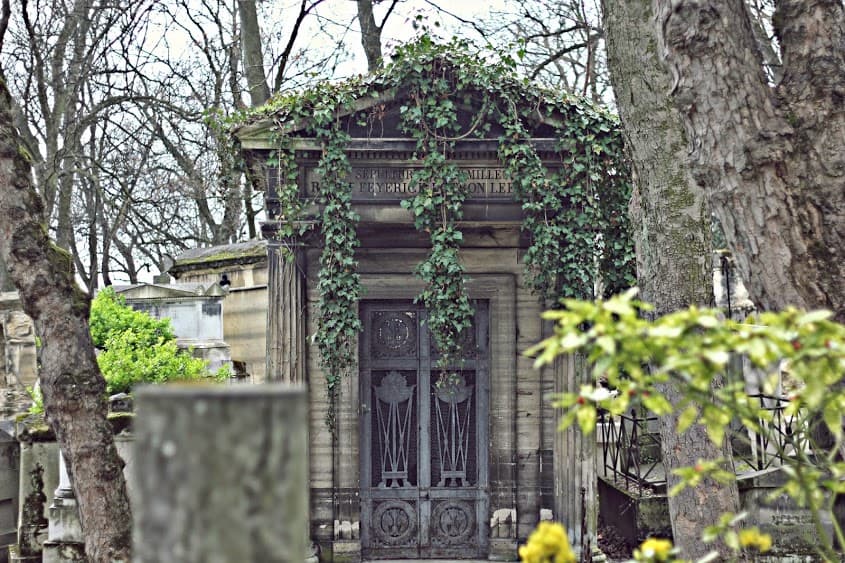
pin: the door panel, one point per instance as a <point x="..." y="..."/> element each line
<point x="424" y="458"/>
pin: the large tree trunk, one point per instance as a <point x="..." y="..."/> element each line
<point x="672" y="230"/>
<point x="73" y="388"/>
<point x="772" y="158"/>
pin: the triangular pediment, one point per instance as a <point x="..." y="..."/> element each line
<point x="375" y="114"/>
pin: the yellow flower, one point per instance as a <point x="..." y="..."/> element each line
<point x="547" y="544"/>
<point x="654" y="549"/>
<point x="753" y="538"/>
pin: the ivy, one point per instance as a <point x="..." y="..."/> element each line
<point x="339" y="283"/>
<point x="289" y="209"/>
<point x="574" y="195"/>
<point x="432" y="119"/>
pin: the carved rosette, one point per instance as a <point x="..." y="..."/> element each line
<point x="394" y="524"/>
<point x="452" y="523"/>
<point x="394" y="334"/>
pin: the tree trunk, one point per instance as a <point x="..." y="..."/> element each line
<point x="672" y="230"/>
<point x="253" y="55"/>
<point x="370" y="34"/>
<point x="71" y="382"/>
<point x="772" y="158"/>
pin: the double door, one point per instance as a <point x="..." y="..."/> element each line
<point x="424" y="480"/>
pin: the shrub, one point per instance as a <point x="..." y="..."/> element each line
<point x="137" y="348"/>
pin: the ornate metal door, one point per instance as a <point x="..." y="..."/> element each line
<point x="424" y="481"/>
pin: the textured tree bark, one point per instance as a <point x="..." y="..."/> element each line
<point x="672" y="229"/>
<point x="71" y="382"/>
<point x="772" y="158"/>
<point x="253" y="55"/>
<point x="221" y="474"/>
<point x="370" y="34"/>
<point x="6" y="283"/>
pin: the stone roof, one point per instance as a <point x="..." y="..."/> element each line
<point x="225" y="254"/>
<point x="142" y="291"/>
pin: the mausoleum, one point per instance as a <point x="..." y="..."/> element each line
<point x="430" y="439"/>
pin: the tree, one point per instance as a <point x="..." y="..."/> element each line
<point x="672" y="232"/>
<point x="137" y="348"/>
<point x="771" y="156"/>
<point x="71" y="383"/>
<point x="561" y="43"/>
<point x="371" y="32"/>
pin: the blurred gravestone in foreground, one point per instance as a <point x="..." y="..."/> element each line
<point x="221" y="474"/>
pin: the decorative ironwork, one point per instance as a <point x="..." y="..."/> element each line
<point x="453" y="414"/>
<point x="394" y="334"/>
<point x="631" y="448"/>
<point x="394" y="523"/>
<point x="469" y="346"/>
<point x="625" y="439"/>
<point x="394" y="428"/>
<point x="452" y="523"/>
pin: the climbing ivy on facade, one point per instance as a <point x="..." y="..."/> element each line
<point x="574" y="196"/>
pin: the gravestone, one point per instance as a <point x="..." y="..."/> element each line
<point x="220" y="474"/>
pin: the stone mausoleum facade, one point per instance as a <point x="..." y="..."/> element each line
<point x="412" y="471"/>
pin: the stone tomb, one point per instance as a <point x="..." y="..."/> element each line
<point x="393" y="482"/>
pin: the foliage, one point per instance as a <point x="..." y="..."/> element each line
<point x="137" y="348"/>
<point x="575" y="208"/>
<point x="547" y="544"/>
<point x="37" y="397"/>
<point x="339" y="283"/>
<point x="630" y="354"/>
<point x="655" y="550"/>
<point x="432" y="120"/>
<point x="110" y="317"/>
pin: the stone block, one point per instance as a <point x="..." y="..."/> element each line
<point x="220" y="474"/>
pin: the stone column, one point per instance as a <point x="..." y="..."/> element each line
<point x="221" y="474"/>
<point x="575" y="477"/>
<point x="286" y="311"/>
<point x="64" y="533"/>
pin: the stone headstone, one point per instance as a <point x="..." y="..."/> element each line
<point x="221" y="474"/>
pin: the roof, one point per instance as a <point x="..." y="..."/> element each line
<point x="168" y="291"/>
<point x="222" y="255"/>
<point x="470" y="74"/>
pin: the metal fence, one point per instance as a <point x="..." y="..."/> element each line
<point x="631" y="457"/>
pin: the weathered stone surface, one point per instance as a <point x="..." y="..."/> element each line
<point x="220" y="474"/>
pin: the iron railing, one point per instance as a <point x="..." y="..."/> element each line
<point x="767" y="449"/>
<point x="631" y="452"/>
<point x="631" y="457"/>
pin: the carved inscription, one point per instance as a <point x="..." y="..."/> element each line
<point x="393" y="182"/>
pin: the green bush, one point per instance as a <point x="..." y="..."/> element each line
<point x="137" y="348"/>
<point x="110" y="316"/>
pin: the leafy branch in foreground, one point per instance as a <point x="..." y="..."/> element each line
<point x="630" y="354"/>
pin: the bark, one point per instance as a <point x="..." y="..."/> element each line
<point x="71" y="382"/>
<point x="5" y="281"/>
<point x="671" y="218"/>
<point x="772" y="158"/>
<point x="253" y="55"/>
<point x="370" y="34"/>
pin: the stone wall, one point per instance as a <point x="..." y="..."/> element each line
<point x="18" y="357"/>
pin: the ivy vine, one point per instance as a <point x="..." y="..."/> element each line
<point x="431" y="118"/>
<point x="574" y="195"/>
<point x="339" y="283"/>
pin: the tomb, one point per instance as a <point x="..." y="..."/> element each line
<point x="405" y="463"/>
